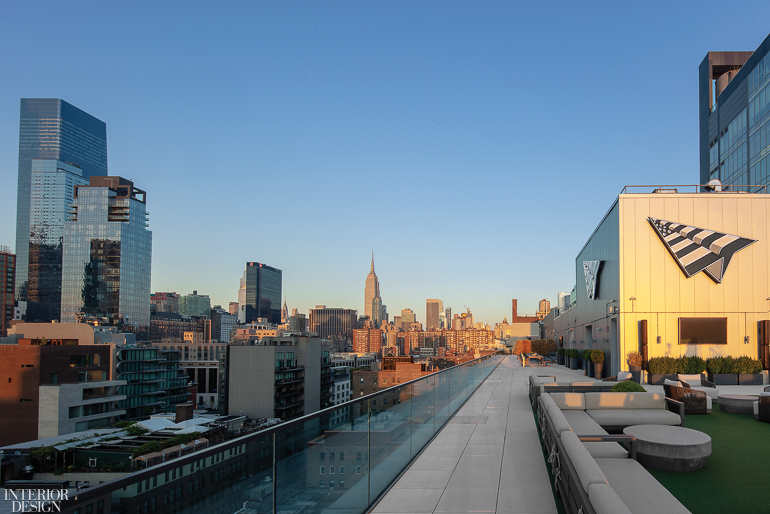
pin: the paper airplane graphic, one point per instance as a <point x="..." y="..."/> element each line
<point x="591" y="270"/>
<point x="698" y="249"/>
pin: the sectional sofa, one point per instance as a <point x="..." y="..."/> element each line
<point x="595" y="474"/>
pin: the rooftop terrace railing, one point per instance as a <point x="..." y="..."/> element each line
<point x="694" y="188"/>
<point x="340" y="459"/>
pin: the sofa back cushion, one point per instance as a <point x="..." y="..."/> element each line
<point x="598" y="401"/>
<point x="693" y="380"/>
<point x="569" y="401"/>
<point x="605" y="500"/>
<point x="624" y="375"/>
<point x="587" y="470"/>
<point x="546" y="400"/>
<point x="557" y="421"/>
<point x="674" y="383"/>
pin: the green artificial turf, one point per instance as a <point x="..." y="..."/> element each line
<point x="736" y="477"/>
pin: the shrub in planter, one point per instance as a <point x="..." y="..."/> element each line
<point x="634" y="360"/>
<point x="662" y="365"/>
<point x="662" y="368"/>
<point x="628" y="386"/>
<point x="749" y="371"/>
<point x="560" y="355"/>
<point x="597" y="358"/>
<point x="747" y="365"/>
<point x="560" y="351"/>
<point x="692" y="365"/>
<point x="722" y="370"/>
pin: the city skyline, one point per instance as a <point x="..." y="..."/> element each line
<point x="478" y="122"/>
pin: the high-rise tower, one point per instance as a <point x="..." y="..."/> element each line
<point x="107" y="256"/>
<point x="260" y="294"/>
<point x="433" y="308"/>
<point x="371" y="292"/>
<point x="60" y="146"/>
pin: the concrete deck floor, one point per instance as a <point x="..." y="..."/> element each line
<point x="486" y="459"/>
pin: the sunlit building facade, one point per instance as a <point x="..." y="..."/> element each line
<point x="61" y="146"/>
<point x="107" y="255"/>
<point x="734" y="112"/>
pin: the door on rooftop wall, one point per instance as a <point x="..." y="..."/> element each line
<point x="614" y="348"/>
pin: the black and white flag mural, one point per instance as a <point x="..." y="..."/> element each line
<point x="698" y="249"/>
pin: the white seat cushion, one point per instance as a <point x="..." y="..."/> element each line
<point x="628" y="417"/>
<point x="675" y="383"/>
<point x="624" y="375"/>
<point x="582" y="423"/>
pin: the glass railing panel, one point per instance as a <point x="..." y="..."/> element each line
<point x="338" y="460"/>
<point x="389" y="437"/>
<point x="421" y="415"/>
<point x="441" y="392"/>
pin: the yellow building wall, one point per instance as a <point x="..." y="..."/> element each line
<point x="662" y="292"/>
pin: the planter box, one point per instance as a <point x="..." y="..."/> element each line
<point x="746" y="379"/>
<point x="574" y="363"/>
<point x="724" y="379"/>
<point x="658" y="378"/>
<point x="636" y="373"/>
<point x="598" y="368"/>
<point x="590" y="369"/>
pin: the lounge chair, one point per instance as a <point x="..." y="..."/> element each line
<point x="695" y="402"/>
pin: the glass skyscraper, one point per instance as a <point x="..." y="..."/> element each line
<point x="734" y="115"/>
<point x="60" y="147"/>
<point x="260" y="293"/>
<point x="107" y="255"/>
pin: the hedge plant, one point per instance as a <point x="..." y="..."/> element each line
<point x="573" y="353"/>
<point x="628" y="386"/>
<point x="748" y="365"/>
<point x="586" y="355"/>
<point x="692" y="365"/>
<point x="560" y="351"/>
<point x="597" y="356"/>
<point x="662" y="365"/>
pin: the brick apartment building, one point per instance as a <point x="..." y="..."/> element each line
<point x="390" y="372"/>
<point x="367" y="340"/>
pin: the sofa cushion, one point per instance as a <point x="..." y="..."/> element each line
<point x="627" y="417"/>
<point x="558" y="422"/>
<point x="582" y="423"/>
<point x="569" y="401"/>
<point x="606" y="450"/>
<point x="693" y="380"/>
<point x="587" y="470"/>
<point x="624" y="375"/>
<point x="675" y="383"/>
<point x="583" y="384"/>
<point x="597" y="401"/>
<point x="637" y="488"/>
<point x="605" y="500"/>
<point x="546" y="400"/>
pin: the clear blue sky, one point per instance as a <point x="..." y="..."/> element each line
<point x="473" y="145"/>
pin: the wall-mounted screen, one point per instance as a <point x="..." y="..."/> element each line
<point x="702" y="330"/>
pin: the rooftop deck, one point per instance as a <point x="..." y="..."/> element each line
<point x="488" y="458"/>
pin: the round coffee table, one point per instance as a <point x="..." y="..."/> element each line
<point x="737" y="403"/>
<point x="670" y="448"/>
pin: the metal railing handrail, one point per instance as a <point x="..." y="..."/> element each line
<point x="734" y="188"/>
